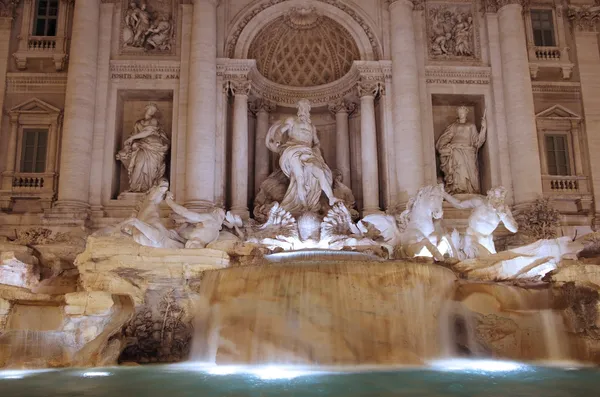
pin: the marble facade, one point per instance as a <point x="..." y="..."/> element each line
<point x="384" y="79"/>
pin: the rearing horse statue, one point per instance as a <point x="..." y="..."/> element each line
<point x="415" y="228"/>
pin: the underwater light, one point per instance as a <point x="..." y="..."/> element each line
<point x="94" y="374"/>
<point x="15" y="374"/>
<point x="263" y="372"/>
<point x="273" y="372"/>
<point x="477" y="365"/>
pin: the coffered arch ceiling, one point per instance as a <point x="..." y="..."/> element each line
<point x="303" y="48"/>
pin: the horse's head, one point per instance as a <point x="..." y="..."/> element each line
<point x="429" y="200"/>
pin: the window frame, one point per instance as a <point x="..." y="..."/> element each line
<point x="568" y="151"/>
<point x="553" y="22"/>
<point x="46" y="18"/>
<point x="21" y="160"/>
<point x="21" y="143"/>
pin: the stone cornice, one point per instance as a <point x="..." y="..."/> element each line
<point x="584" y="18"/>
<point x="457" y="75"/>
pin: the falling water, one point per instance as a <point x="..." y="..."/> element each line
<point x="31" y="349"/>
<point x="322" y="311"/>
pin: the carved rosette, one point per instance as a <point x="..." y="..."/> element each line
<point x="584" y="18"/>
<point x="452" y="31"/>
<point x="342" y="106"/>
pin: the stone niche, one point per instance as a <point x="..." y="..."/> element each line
<point x="444" y="114"/>
<point x="130" y="108"/>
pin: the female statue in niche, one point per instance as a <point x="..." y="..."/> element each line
<point x="144" y="152"/>
<point x="458" y="147"/>
<point x="295" y="139"/>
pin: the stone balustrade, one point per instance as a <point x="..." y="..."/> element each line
<point x="547" y="53"/>
<point x="553" y="184"/>
<point x="41" y="43"/>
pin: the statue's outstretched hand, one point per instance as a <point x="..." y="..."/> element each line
<point x="169" y="196"/>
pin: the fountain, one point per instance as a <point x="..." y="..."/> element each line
<point x="309" y="290"/>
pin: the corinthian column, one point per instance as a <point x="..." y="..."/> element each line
<point x="518" y="103"/>
<point x="406" y="108"/>
<point x="202" y="109"/>
<point x="368" y="90"/>
<point x="342" y="109"/>
<point x="239" y="148"/>
<point x="585" y="20"/>
<point x="262" y="108"/>
<point x="78" y="124"/>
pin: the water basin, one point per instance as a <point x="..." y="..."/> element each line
<point x="452" y="378"/>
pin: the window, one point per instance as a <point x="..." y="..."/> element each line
<point x="543" y="28"/>
<point x="45" y="18"/>
<point x="557" y="154"/>
<point x="33" y="150"/>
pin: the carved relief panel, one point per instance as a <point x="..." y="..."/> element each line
<point x="452" y="31"/>
<point x="148" y="27"/>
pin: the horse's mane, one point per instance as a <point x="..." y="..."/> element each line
<point x="404" y="218"/>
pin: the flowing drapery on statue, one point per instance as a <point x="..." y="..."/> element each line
<point x="296" y="141"/>
<point x="458" y="147"/>
<point x="144" y="152"/>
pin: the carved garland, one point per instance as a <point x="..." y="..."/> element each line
<point x="232" y="42"/>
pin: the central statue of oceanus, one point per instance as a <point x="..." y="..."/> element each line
<point x="295" y="140"/>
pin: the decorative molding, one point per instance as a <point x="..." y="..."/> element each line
<point x="157" y="27"/>
<point x="457" y="75"/>
<point x="584" y="18"/>
<point x="140" y="70"/>
<point x="239" y="27"/>
<point x="36" y="83"/>
<point x="570" y="90"/>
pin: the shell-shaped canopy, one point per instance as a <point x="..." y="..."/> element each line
<point x="303" y="49"/>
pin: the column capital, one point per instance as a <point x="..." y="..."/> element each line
<point x="369" y="88"/>
<point x="417" y="5"/>
<point x="240" y="86"/>
<point x="7" y="8"/>
<point x="584" y="18"/>
<point x="343" y="105"/>
<point x="215" y="3"/>
<point x="262" y="105"/>
<point x="496" y="5"/>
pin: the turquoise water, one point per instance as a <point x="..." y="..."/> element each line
<point x="488" y="379"/>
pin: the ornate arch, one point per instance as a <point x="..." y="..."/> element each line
<point x="248" y="25"/>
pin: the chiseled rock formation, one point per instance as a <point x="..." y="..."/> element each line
<point x="156" y="279"/>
